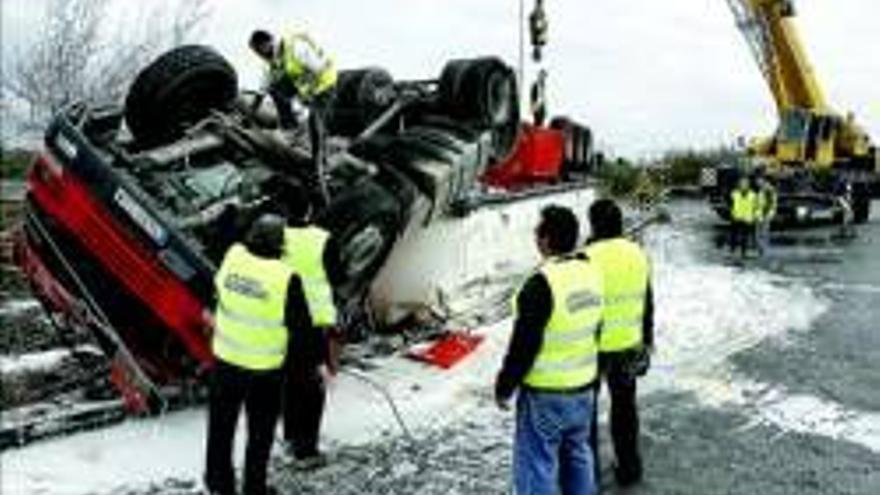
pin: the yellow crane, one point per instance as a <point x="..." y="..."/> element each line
<point x="815" y="153"/>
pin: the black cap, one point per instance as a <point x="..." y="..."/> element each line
<point x="265" y="237"/>
<point x="606" y="219"/>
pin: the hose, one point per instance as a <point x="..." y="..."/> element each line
<point x="388" y="399"/>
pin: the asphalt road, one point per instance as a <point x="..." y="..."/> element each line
<point x="694" y="449"/>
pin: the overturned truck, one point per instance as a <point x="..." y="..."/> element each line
<point x="130" y="208"/>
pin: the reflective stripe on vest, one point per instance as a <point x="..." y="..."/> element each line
<point x="269" y="351"/>
<point x="567" y="358"/>
<point x="252" y="297"/>
<point x="743" y="206"/>
<point x="625" y="271"/>
<point x="304" y="253"/>
<point x="287" y="64"/>
<point x="245" y="319"/>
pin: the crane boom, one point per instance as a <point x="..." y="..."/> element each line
<point x="768" y="27"/>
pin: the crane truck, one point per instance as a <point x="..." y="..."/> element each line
<point x="817" y="158"/>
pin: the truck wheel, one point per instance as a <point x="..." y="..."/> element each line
<point x="178" y="89"/>
<point x="365" y="222"/>
<point x="483" y="91"/>
<point x="361" y="97"/>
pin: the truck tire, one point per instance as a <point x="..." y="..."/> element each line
<point x="361" y="97"/>
<point x="178" y="89"/>
<point x="483" y="92"/>
<point x="365" y="221"/>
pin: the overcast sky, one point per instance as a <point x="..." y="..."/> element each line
<point x="646" y="75"/>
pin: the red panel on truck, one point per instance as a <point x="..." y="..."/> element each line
<point x="537" y="158"/>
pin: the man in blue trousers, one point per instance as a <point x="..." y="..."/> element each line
<point x="552" y="362"/>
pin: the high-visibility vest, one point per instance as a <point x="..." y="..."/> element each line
<point x="568" y="355"/>
<point x="304" y="253"/>
<point x="743" y="205"/>
<point x="287" y="64"/>
<point x="625" y="271"/>
<point x="251" y="299"/>
<point x="765" y="203"/>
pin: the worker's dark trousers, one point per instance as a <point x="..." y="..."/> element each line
<point x="259" y="392"/>
<point x="740" y="236"/>
<point x="304" y="395"/>
<point x="281" y="92"/>
<point x="624" y="415"/>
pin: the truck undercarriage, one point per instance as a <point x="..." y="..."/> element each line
<point x="125" y="225"/>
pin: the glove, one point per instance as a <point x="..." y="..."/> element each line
<point x="640" y="362"/>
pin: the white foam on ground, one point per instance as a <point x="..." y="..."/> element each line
<point x="707" y="313"/>
<point x="135" y="453"/>
<point x="816" y="416"/>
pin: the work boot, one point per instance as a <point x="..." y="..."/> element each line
<point x="627" y="477"/>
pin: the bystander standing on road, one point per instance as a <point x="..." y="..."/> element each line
<point x="626" y="338"/>
<point x="742" y="216"/>
<point x="308" y="372"/>
<point x="258" y="299"/>
<point x="765" y="206"/>
<point x="552" y="362"/>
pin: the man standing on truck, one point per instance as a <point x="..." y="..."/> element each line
<point x="743" y="202"/>
<point x="300" y="69"/>
<point x="307" y="254"/>
<point x="626" y="338"/>
<point x="259" y="299"/>
<point x="551" y="359"/>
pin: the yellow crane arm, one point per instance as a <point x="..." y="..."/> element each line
<point x="769" y="29"/>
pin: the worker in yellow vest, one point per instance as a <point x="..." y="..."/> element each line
<point x="259" y="299"/>
<point x="298" y="69"/>
<point x="306" y="252"/>
<point x="552" y="361"/>
<point x="626" y="339"/>
<point x="765" y="210"/>
<point x="743" y="215"/>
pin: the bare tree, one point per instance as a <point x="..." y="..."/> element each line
<point x="87" y="51"/>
